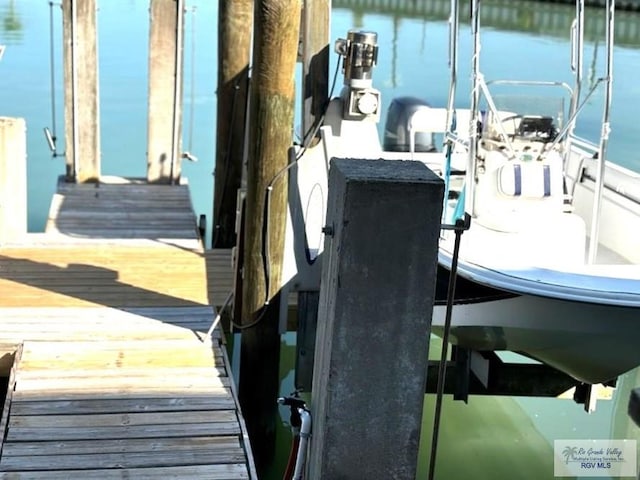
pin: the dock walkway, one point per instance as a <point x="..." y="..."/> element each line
<point x="104" y="333"/>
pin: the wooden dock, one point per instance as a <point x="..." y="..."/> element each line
<point x="104" y="323"/>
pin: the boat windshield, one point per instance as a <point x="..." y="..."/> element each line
<point x="533" y="118"/>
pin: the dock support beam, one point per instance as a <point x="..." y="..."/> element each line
<point x="13" y="179"/>
<point x="81" y="106"/>
<point x="166" y="40"/>
<point x="315" y="60"/>
<point x="275" y="41"/>
<point x="374" y="319"/>
<point x="235" y="20"/>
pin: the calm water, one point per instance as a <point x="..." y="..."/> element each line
<point x="491" y="437"/>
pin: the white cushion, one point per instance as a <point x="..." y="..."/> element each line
<point x="530" y="180"/>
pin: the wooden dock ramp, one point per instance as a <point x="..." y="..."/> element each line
<point x="113" y="372"/>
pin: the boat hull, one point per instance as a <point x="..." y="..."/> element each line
<point x="591" y="342"/>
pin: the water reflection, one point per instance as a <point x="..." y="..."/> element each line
<point x="12" y="28"/>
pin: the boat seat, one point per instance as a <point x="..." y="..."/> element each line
<point x="512" y="195"/>
<point x="529" y="180"/>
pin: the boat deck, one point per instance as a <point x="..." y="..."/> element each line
<point x="114" y="372"/>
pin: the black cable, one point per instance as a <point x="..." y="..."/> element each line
<point x="260" y="316"/>
<point x="266" y="254"/>
<point x="309" y="135"/>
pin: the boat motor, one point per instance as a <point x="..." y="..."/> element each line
<point x="397" y="126"/>
<point x="360" y="51"/>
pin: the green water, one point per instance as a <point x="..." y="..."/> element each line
<point x="490" y="438"/>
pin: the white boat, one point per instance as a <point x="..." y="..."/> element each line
<point x="550" y="264"/>
<point x="553" y="224"/>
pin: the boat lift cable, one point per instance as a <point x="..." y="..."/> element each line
<point x="51" y="136"/>
<point x="460" y="226"/>
<point x="188" y="154"/>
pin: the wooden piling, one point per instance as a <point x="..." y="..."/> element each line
<point x="82" y="123"/>
<point x="315" y="60"/>
<point x="276" y="30"/>
<point x="235" y="18"/>
<point x="374" y="319"/>
<point x="166" y="39"/>
<point x="13" y="179"/>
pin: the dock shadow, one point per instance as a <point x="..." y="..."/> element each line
<point x="86" y="286"/>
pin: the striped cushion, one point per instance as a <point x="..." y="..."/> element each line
<point x="530" y="180"/>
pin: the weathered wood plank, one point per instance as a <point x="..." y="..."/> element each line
<point x="220" y="401"/>
<point x="124" y="344"/>
<point x="133" y="383"/>
<point x="77" y="447"/>
<point x="210" y="472"/>
<point x="197" y="373"/>
<point x="118" y="394"/>
<point x="121" y="359"/>
<point x="121" y="460"/>
<point x="121" y="431"/>
<point x="122" y="419"/>
<point x="123" y="210"/>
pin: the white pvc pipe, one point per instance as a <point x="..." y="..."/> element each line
<point x="305" y="433"/>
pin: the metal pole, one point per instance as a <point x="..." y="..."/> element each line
<point x="461" y="224"/>
<point x="577" y="59"/>
<point x="475" y="99"/>
<point x="604" y="137"/>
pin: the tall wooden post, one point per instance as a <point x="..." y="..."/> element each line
<point x="13" y="179"/>
<point x="276" y="30"/>
<point x="166" y="39"/>
<point x="82" y="123"/>
<point x="315" y="29"/>
<point x="235" y="18"/>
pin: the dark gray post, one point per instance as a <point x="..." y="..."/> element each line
<point x="374" y="319"/>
